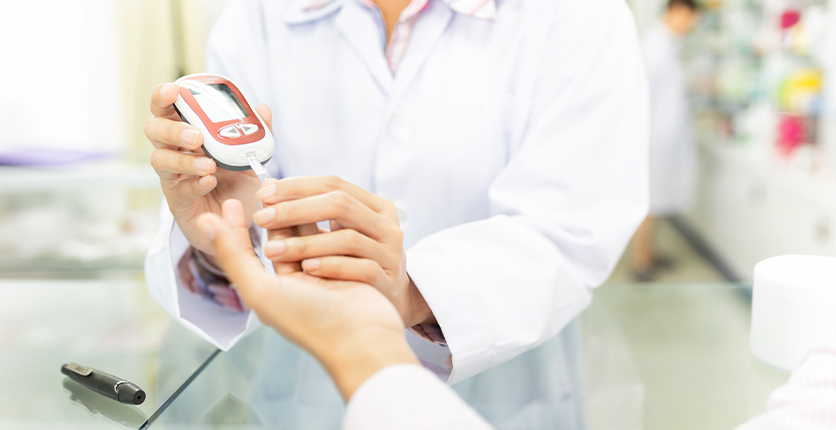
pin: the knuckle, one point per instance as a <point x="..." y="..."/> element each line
<point x="156" y="158"/>
<point x="341" y="199"/>
<point x="298" y="246"/>
<point x="334" y="181"/>
<point x="353" y="239"/>
<point x="394" y="232"/>
<point x="148" y="128"/>
<point x="155" y="95"/>
<point x="371" y="272"/>
<point x="283" y="211"/>
<point x="190" y="188"/>
<point x="184" y="163"/>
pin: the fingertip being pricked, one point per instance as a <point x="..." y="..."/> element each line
<point x="233" y="213"/>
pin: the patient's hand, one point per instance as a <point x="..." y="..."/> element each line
<point x="350" y="327"/>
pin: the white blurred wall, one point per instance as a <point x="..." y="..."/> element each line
<point x="59" y="64"/>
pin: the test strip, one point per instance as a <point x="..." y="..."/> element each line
<point x="258" y="168"/>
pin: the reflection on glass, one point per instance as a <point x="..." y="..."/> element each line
<point x="122" y="414"/>
<point x="266" y="382"/>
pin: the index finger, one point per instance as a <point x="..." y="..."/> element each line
<point x="275" y="191"/>
<point x="234" y="252"/>
<point x="163" y="97"/>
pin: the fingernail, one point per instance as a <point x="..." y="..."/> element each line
<point x="202" y="164"/>
<point x="311" y="265"/>
<point x="203" y="181"/>
<point x="189" y="136"/>
<point x="264" y="216"/>
<point x="165" y="89"/>
<point x="275" y="248"/>
<point x="266" y="192"/>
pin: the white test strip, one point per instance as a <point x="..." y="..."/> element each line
<point x="258" y="168"/>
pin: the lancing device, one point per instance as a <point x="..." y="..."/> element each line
<point x="234" y="135"/>
<point x="105" y="384"/>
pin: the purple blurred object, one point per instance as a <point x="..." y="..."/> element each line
<point x="48" y="157"/>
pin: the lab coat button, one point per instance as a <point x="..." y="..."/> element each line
<point x="230" y="132"/>
<point x="398" y="119"/>
<point x="249" y="128"/>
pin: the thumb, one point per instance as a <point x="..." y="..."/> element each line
<point x="265" y="114"/>
<point x="230" y="240"/>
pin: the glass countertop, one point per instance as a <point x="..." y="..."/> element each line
<point x="643" y="356"/>
<point x="109" y="325"/>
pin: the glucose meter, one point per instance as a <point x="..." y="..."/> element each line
<point x="233" y="133"/>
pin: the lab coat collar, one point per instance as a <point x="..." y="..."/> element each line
<point x="303" y="11"/>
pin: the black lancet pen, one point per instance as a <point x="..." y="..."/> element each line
<point x="105" y="384"/>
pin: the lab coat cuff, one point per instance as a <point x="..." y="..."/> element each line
<point x="217" y="326"/>
<point x="204" y="280"/>
<point x="447" y="290"/>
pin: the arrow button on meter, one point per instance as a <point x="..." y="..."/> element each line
<point x="230" y="132"/>
<point x="249" y="128"/>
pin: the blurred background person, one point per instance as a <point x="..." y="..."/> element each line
<point x="673" y="156"/>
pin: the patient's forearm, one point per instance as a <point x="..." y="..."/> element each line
<point x="354" y="360"/>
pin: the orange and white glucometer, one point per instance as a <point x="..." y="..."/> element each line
<point x="233" y="133"/>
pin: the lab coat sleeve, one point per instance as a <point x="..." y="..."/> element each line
<point x="563" y="208"/>
<point x="808" y="400"/>
<point x="219" y="326"/>
<point x="409" y="397"/>
<point x="233" y="51"/>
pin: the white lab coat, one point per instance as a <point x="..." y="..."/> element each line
<point x="514" y="149"/>
<point x="673" y="155"/>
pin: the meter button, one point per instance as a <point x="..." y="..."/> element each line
<point x="230" y="132"/>
<point x="249" y="128"/>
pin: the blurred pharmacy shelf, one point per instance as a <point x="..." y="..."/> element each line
<point x="763" y="86"/>
<point x="16" y="179"/>
<point x="76" y="220"/>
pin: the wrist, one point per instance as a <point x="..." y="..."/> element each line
<point x="419" y="310"/>
<point x="355" y="359"/>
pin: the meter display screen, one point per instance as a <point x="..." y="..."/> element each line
<point x="218" y="102"/>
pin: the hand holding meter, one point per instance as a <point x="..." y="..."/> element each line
<point x="234" y="135"/>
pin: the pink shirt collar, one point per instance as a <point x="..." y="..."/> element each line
<point x="484" y="9"/>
